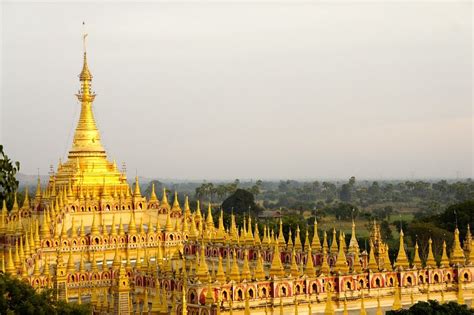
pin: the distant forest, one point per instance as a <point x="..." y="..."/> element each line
<point x="383" y="198"/>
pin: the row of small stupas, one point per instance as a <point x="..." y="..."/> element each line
<point x="93" y="238"/>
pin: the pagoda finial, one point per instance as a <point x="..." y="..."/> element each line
<point x="220" y="276"/>
<point x="430" y="260"/>
<point x="85" y="73"/>
<point x="372" y="262"/>
<point x="38" y="190"/>
<point x="246" y="268"/>
<point x="10" y="269"/>
<point x="402" y="260"/>
<point x="26" y="201"/>
<point x="316" y="243"/>
<point x="209" y="219"/>
<point x="457" y="253"/>
<point x="235" y="271"/>
<point x="309" y="270"/>
<point x="136" y="192"/>
<point x="353" y="244"/>
<point x="444" y="257"/>
<point x="341" y="262"/>
<point x="281" y="238"/>
<point x="259" y="270"/>
<point x="132" y="226"/>
<point x="334" y="248"/>
<point x="307" y="245"/>
<point x="187" y="209"/>
<point x="15" y="203"/>
<point x="176" y="206"/>
<point x="356" y="266"/>
<point x="325" y="242"/>
<point x="294" y="267"/>
<point x="153" y="194"/>
<point x="325" y="269"/>
<point x="416" y="258"/>
<point x="276" y="268"/>
<point x="71" y="267"/>
<point x="164" y="200"/>
<point x="298" y="244"/>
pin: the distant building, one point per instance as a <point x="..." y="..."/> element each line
<point x="270" y="214"/>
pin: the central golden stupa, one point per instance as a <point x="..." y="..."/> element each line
<point x="87" y="165"/>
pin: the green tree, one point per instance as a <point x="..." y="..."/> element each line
<point x="241" y="202"/>
<point x="460" y="214"/>
<point x="386" y="231"/>
<point x="345" y="194"/>
<point x="352" y="181"/>
<point x="17" y="297"/>
<point x="423" y="231"/>
<point x="8" y="181"/>
<point x="434" y="308"/>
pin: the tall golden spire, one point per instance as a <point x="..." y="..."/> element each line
<point x="457" y="253"/>
<point x="444" y="257"/>
<point x="353" y="244"/>
<point x="402" y="260"/>
<point x="276" y="269"/>
<point x="430" y="260"/>
<point x="334" y="249"/>
<point x="246" y="268"/>
<point x="416" y="258"/>
<point x="341" y="262"/>
<point x="294" y="267"/>
<point x="259" y="270"/>
<point x="372" y="262"/>
<point x="87" y="135"/>
<point x="87" y="162"/>
<point x="316" y="243"/>
<point x="309" y="270"/>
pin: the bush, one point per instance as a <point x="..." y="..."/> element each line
<point x="434" y="308"/>
<point x="17" y="297"/>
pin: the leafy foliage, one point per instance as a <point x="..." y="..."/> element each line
<point x="461" y="214"/>
<point x="17" y="297"/>
<point x="434" y="308"/>
<point x="241" y="201"/>
<point x="8" y="182"/>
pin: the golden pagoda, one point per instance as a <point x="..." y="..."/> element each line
<point x="94" y="238"/>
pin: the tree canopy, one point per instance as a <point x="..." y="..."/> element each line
<point x="460" y="214"/>
<point x="8" y="181"/>
<point x="17" y="297"/>
<point x="434" y="308"/>
<point x="241" y="201"/>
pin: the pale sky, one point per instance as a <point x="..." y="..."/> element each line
<point x="255" y="89"/>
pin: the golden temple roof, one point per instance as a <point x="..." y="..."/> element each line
<point x="87" y="162"/>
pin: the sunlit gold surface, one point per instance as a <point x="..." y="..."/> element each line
<point x="87" y="163"/>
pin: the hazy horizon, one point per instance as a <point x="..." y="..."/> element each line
<point x="256" y="90"/>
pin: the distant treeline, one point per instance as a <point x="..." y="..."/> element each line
<point x="419" y="196"/>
